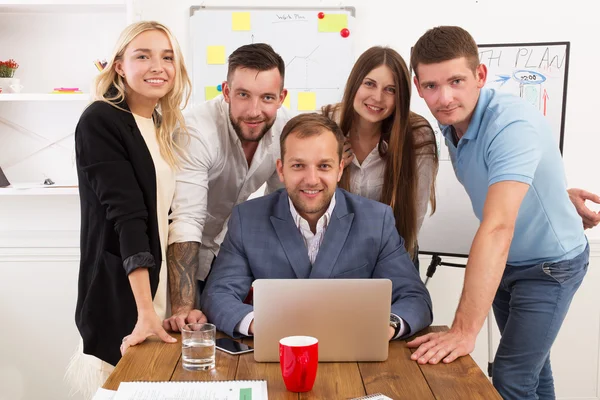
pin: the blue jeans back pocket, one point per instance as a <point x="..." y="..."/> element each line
<point x="560" y="271"/>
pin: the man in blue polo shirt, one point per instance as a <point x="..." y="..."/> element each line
<point x="530" y="254"/>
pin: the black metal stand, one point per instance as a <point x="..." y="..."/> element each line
<point x="436" y="261"/>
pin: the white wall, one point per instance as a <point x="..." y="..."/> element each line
<point x="38" y="235"/>
<point x="53" y="50"/>
<point x="38" y="289"/>
<point x="39" y="242"/>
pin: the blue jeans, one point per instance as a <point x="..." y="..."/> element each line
<point x="530" y="306"/>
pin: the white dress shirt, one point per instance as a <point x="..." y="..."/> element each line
<point x="312" y="240"/>
<point x="215" y="176"/>
<point x="313" y="244"/>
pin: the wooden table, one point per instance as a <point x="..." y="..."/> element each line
<point x="399" y="377"/>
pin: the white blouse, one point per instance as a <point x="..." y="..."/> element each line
<point x="366" y="179"/>
<point x="165" y="188"/>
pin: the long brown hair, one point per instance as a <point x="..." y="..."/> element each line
<point x="402" y="138"/>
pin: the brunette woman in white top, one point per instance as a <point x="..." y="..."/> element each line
<point x="126" y="162"/>
<point x="395" y="153"/>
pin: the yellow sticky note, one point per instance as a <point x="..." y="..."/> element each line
<point x="333" y="22"/>
<point x="240" y="21"/>
<point x="210" y="92"/>
<point x="215" y="54"/>
<point x="307" y="101"/>
<point x="286" y="102"/>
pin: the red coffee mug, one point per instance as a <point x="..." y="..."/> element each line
<point x="299" y="358"/>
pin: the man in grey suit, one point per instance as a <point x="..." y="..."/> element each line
<point x="310" y="230"/>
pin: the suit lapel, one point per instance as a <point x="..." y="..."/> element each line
<point x="290" y="237"/>
<point x="335" y="237"/>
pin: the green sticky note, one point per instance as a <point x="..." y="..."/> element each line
<point x="307" y="101"/>
<point x="215" y="54"/>
<point x="210" y="92"/>
<point x="333" y="23"/>
<point x="240" y="21"/>
<point x="245" y="394"/>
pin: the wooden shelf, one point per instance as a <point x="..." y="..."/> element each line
<point x="69" y="6"/>
<point x="44" y="97"/>
<point x="49" y="191"/>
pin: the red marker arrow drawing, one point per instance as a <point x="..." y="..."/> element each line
<point x="546" y="97"/>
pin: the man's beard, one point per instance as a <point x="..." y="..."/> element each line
<point x="237" y="127"/>
<point x="303" y="207"/>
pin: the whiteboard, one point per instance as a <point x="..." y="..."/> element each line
<point x="538" y="73"/>
<point x="318" y="58"/>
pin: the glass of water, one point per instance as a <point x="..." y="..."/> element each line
<point x="198" y="346"/>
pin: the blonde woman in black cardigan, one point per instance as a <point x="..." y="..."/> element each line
<point x="126" y="163"/>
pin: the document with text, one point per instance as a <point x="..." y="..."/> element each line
<point x="212" y="390"/>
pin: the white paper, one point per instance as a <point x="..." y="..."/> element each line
<point x="217" y="390"/>
<point x="105" y="394"/>
<point x="376" y="396"/>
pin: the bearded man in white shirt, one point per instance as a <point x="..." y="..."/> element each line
<point x="231" y="152"/>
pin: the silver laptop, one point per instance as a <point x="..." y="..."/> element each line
<point x="349" y="317"/>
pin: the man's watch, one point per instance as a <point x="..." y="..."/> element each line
<point x="395" y="323"/>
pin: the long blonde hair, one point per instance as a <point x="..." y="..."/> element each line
<point x="406" y="134"/>
<point x="109" y="87"/>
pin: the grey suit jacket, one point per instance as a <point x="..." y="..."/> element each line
<point x="263" y="242"/>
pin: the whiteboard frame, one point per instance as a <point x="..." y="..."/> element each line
<point x="193" y="9"/>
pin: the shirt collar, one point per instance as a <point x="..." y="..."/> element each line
<point x="373" y="154"/>
<point x="322" y="222"/>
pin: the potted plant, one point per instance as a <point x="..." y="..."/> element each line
<point x="7" y="73"/>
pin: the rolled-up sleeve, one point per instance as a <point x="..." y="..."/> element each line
<point x="102" y="157"/>
<point x="189" y="207"/>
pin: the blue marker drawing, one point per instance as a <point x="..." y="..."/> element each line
<point x="219" y="88"/>
<point x="502" y="79"/>
<point x="528" y="77"/>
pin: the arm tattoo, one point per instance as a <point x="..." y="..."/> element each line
<point x="182" y="262"/>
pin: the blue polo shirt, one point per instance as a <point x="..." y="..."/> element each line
<point x="510" y="140"/>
